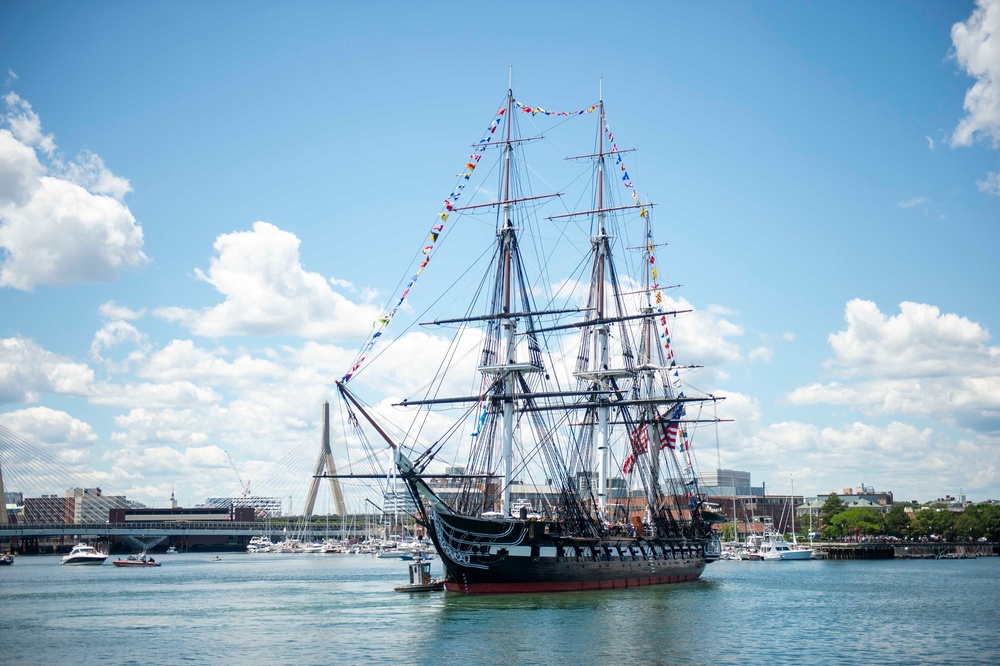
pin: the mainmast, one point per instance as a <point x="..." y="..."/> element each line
<point x="509" y="323"/>
<point x="603" y="405"/>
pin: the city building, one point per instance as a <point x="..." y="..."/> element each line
<point x="263" y="507"/>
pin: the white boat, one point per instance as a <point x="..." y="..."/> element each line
<point x="774" y="547"/>
<point x="84" y="554"/>
<point x="260" y="544"/>
<point x="172" y="550"/>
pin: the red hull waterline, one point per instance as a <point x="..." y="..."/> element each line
<point x="566" y="586"/>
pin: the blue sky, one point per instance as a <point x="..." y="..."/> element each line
<point x="203" y="204"/>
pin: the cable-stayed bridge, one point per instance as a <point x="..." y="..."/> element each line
<point x="47" y="497"/>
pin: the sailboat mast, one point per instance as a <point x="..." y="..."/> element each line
<point x="604" y="407"/>
<point x="508" y="324"/>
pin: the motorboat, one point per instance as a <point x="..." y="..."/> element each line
<point x="172" y="550"/>
<point x="6" y="558"/>
<point x="774" y="547"/>
<point x="140" y="560"/>
<point x="84" y="554"/>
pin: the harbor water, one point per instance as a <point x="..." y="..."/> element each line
<point x="325" y="609"/>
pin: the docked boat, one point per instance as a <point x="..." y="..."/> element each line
<point x="260" y="544"/>
<point x="577" y="392"/>
<point x="84" y="554"/>
<point x="775" y="547"/>
<point x="140" y="560"/>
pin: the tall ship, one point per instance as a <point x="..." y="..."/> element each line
<point x="549" y="447"/>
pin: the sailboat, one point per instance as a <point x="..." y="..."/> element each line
<point x="576" y="393"/>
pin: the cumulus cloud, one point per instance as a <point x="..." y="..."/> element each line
<point x="267" y="292"/>
<point x="27" y="370"/>
<point x="50" y="427"/>
<point x="919" y="363"/>
<point x="977" y="49"/>
<point x="181" y="359"/>
<point x="915" y="458"/>
<point x="990" y="184"/>
<point x="60" y="223"/>
<point x="155" y="394"/>
<point x="115" y="335"/>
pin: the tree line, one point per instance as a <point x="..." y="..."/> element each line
<point x="931" y="521"/>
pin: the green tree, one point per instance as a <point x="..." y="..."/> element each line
<point x="859" y="522"/>
<point x="831" y="507"/>
<point x="935" y="522"/>
<point x="979" y="520"/>
<point x="897" y="522"/>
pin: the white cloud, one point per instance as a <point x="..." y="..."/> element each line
<point x="977" y="50"/>
<point x="155" y="394"/>
<point x="26" y="370"/>
<point x="180" y="359"/>
<point x="26" y="125"/>
<point x="116" y="334"/>
<point x="898" y="457"/>
<point x="267" y="292"/>
<point x="919" y="363"/>
<point x="20" y="171"/>
<point x="912" y="203"/>
<point x="89" y="172"/>
<point x="990" y="184"/>
<point x="50" y="427"/>
<point x="930" y="143"/>
<point x="58" y="224"/>
<point x="112" y="311"/>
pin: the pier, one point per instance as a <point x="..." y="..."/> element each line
<point x="908" y="550"/>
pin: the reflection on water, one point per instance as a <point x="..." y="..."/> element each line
<point x="317" y="609"/>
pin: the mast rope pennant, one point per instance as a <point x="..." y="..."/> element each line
<point x="675" y="432"/>
<point x="535" y="110"/>
<point x="437" y="229"/>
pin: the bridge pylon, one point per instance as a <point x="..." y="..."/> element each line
<point x="325" y="461"/>
<point x="4" y="518"/>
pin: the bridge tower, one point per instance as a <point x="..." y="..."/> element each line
<point x="325" y="461"/>
<point x="4" y="518"/>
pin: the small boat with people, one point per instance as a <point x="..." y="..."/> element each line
<point x="6" y="559"/>
<point x="140" y="560"/>
<point x="84" y="554"/>
<point x="420" y="579"/>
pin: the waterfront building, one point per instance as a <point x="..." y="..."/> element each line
<point x="90" y="505"/>
<point x="727" y="483"/>
<point x="263" y="507"/>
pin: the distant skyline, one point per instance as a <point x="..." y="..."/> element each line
<point x="203" y="208"/>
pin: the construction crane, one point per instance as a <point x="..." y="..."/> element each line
<point x="244" y="486"/>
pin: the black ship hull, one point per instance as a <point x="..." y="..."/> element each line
<point x="502" y="556"/>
